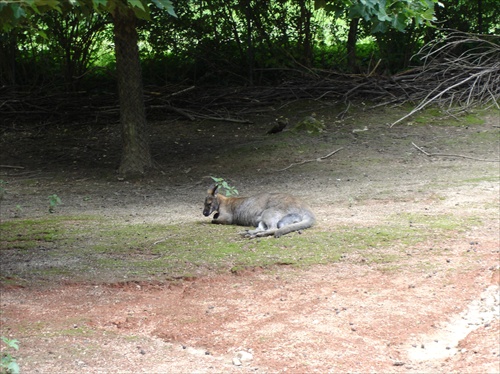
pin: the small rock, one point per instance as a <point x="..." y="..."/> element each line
<point x="398" y="363"/>
<point x="244" y="356"/>
<point x="236" y="361"/>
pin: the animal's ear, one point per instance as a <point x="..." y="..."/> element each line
<point x="213" y="190"/>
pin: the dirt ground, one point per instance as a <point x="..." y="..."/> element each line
<point x="345" y="317"/>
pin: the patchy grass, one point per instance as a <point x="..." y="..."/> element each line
<point x="486" y="178"/>
<point x="435" y="116"/>
<point x="28" y="234"/>
<point x="107" y="251"/>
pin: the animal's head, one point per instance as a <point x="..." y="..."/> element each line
<point x="211" y="201"/>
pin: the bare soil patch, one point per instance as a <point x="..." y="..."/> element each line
<point x="434" y="309"/>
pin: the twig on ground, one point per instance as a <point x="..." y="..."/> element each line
<point x="11" y="167"/>
<point x="225" y="119"/>
<point x="306" y="161"/>
<point x="451" y="155"/>
<point x="174" y="109"/>
<point x="160" y="241"/>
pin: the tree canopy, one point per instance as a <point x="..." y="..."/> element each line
<point x="14" y="12"/>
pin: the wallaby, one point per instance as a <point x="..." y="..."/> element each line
<point x="270" y="213"/>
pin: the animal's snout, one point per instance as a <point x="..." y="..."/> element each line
<point x="207" y="210"/>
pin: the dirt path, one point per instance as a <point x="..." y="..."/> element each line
<point x="336" y="318"/>
<point x="436" y="311"/>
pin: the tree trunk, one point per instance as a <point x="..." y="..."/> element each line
<point x="352" y="38"/>
<point x="480" y="16"/>
<point x="8" y="54"/>
<point x="305" y="37"/>
<point x="136" y="156"/>
<point x="250" y="51"/>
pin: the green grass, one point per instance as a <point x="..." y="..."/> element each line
<point x="92" y="249"/>
<point x="486" y="178"/>
<point x="435" y="116"/>
<point x="28" y="234"/>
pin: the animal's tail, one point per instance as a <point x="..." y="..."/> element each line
<point x="306" y="222"/>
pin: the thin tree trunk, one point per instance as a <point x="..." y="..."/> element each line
<point x="480" y="16"/>
<point x="305" y="37"/>
<point x="8" y="53"/>
<point x="352" y="38"/>
<point x="136" y="156"/>
<point x="250" y="51"/>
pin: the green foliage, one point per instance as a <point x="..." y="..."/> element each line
<point x="12" y="13"/>
<point x="54" y="201"/>
<point x="8" y="364"/>
<point x="228" y="189"/>
<point x="480" y="17"/>
<point x="384" y="15"/>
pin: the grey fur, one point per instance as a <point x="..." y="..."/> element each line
<point x="270" y="213"/>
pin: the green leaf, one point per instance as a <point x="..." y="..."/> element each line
<point x="379" y="27"/>
<point x="99" y="4"/>
<point x="18" y="11"/>
<point x="11" y="343"/>
<point x="399" y="22"/>
<point x="50" y="4"/>
<point x="137" y="4"/>
<point x="13" y="368"/>
<point x="43" y="34"/>
<point x="167" y="5"/>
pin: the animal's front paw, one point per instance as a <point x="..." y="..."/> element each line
<point x="245" y="234"/>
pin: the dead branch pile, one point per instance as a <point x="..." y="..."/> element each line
<point x="458" y="72"/>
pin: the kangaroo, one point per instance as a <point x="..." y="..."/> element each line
<point x="270" y="213"/>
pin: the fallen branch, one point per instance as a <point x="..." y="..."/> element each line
<point x="11" y="167"/>
<point x="225" y="119"/>
<point x="306" y="161"/>
<point x="174" y="109"/>
<point x="451" y="155"/>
